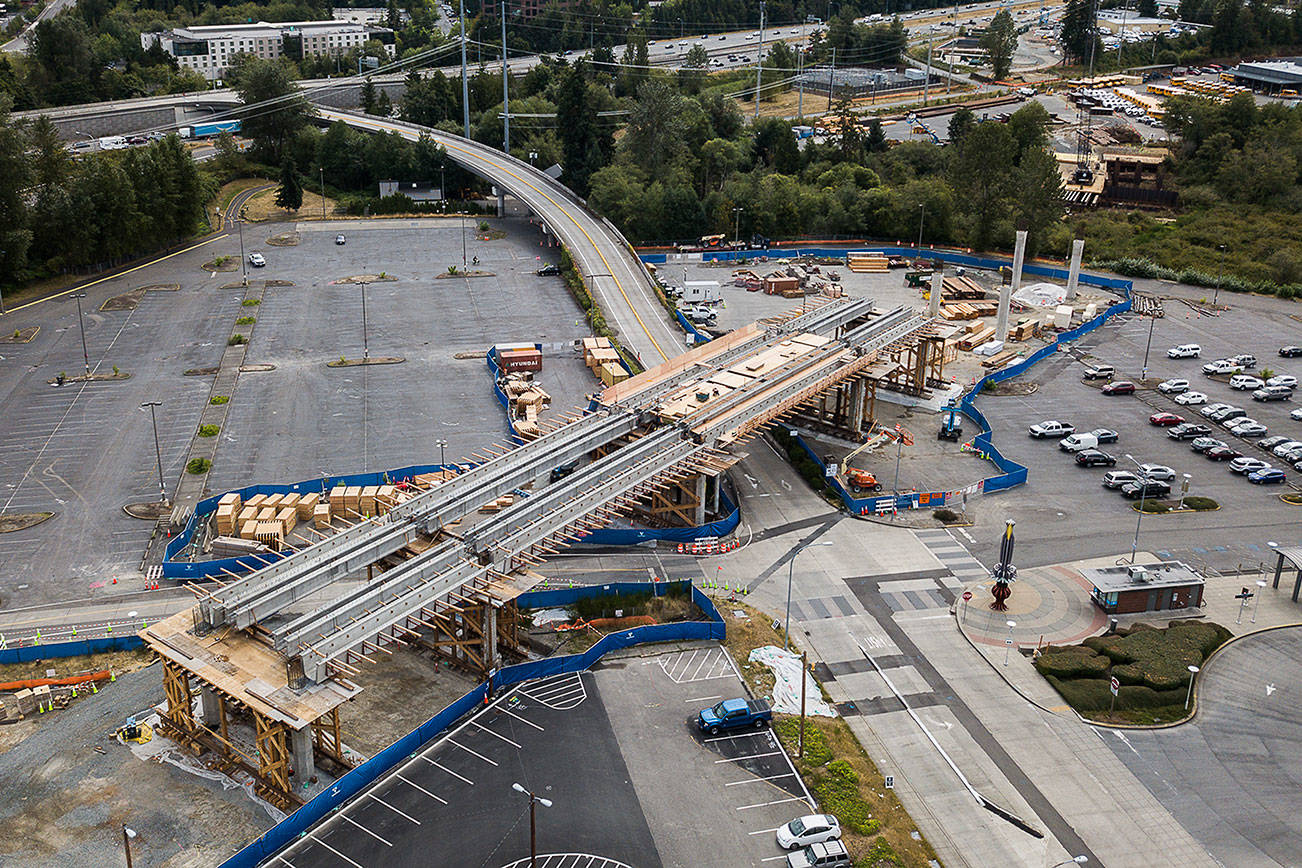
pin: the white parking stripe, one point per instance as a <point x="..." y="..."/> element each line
<point x="422" y="789"/>
<point x="474" y="753"/>
<point x="748" y="756"/>
<point x="521" y="719"/>
<point x="758" y="780"/>
<point x="773" y="858"/>
<point x="448" y="770"/>
<point x="391" y="807"/>
<point x="336" y="852"/>
<point x="731" y="737"/>
<point x="702" y="698"/>
<point x="764" y="831"/>
<point x="349" y="819"/>
<point x="502" y="737"/>
<point x="286" y="861"/>
<point x="766" y="804"/>
<point x="708" y="659"/>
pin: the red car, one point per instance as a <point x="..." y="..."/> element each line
<point x="1222" y="453"/>
<point x="1164" y="420"/>
<point x="1120" y="387"/>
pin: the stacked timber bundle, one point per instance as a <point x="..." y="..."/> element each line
<point x="863" y="261"/>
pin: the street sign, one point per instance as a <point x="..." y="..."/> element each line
<point x="1245" y="594"/>
<point x="890" y="782"/>
<point x="967" y="595"/>
<point x="1008" y="641"/>
<point x="1116" y="685"/>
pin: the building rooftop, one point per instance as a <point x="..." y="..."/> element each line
<point x="208" y="31"/>
<point x="1167" y="574"/>
<point x="1271" y="71"/>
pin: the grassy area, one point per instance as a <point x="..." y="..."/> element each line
<point x="1151" y="664"/>
<point x="263" y="208"/>
<point x="232" y="189"/>
<point x="842" y="777"/>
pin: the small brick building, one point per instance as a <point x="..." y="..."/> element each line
<point x="1128" y="589"/>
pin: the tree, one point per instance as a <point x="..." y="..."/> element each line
<point x="383" y="107"/>
<point x="229" y="161"/>
<point x="368" y="96"/>
<point x="849" y="144"/>
<point x="1147" y="8"/>
<point x="289" y="195"/>
<point x="999" y="42"/>
<point x="1079" y="31"/>
<point x="15" y="172"/>
<point x="63" y="62"/>
<point x="657" y="126"/>
<point x="692" y="73"/>
<point x="580" y="149"/>
<point x="961" y="124"/>
<point x="1038" y="201"/>
<point x="876" y="142"/>
<point x="280" y="111"/>
<point x="981" y="174"/>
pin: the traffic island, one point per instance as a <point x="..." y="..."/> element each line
<point x="21" y="336"/>
<point x="151" y="511"/>
<point x="1139" y="676"/>
<point x="382" y="277"/>
<point x="284" y="239"/>
<point x="342" y="362"/>
<point x="14" y="521"/>
<point x="1294" y="499"/>
<point x="453" y="271"/>
<point x="93" y="377"/>
<point x="1175" y="507"/>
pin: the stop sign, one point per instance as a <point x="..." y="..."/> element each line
<point x="967" y="595"/>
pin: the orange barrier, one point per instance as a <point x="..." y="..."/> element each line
<point x="102" y="675"/>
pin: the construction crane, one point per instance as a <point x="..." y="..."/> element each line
<point x="862" y="480"/>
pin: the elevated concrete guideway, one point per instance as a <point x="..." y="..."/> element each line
<point x="615" y="276"/>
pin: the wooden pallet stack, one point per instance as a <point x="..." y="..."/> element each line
<point x="228" y="510"/>
<point x="961" y="288"/>
<point x="866" y="262"/>
<point x="978" y="333"/>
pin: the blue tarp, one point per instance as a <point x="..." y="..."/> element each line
<point x="69" y="649"/>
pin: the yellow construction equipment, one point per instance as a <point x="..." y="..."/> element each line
<point x="140" y="733"/>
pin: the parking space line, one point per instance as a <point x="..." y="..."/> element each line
<point x="731" y="737"/>
<point x="513" y="744"/>
<point x="773" y="858"/>
<point x="391" y="807"/>
<point x="738" y="759"/>
<point x="422" y="789"/>
<point x="469" y="751"/>
<point x="286" y="861"/>
<point x="521" y="719"/>
<point x="349" y="819"/>
<point x="766" y="804"/>
<point x="764" y="831"/>
<point x="758" y="780"/>
<point x="702" y="698"/>
<point x="448" y="770"/>
<point x="336" y="852"/>
<point x="709" y="658"/>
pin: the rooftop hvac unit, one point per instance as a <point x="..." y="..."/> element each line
<point x="1138" y="574"/>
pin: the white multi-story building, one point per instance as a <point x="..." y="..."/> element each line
<point x="210" y="50"/>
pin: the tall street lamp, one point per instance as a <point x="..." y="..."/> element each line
<point x="1220" y="273"/>
<point x="791" y="570"/>
<point x="1074" y="860"/>
<point x="366" y="347"/>
<point x="922" y="215"/>
<point x="441" y="444"/>
<point x="85" y="355"/>
<point x="158" y="453"/>
<point x="736" y="222"/>
<point x="1143" y="495"/>
<point x="1008" y="643"/>
<point x="534" y="801"/>
<point x="323" y="211"/>
<point x="1193" y="673"/>
<point x="1152" y="321"/>
<point x="127" y="835"/>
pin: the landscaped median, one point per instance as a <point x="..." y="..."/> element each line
<point x="876" y="828"/>
<point x="1151" y="665"/>
<point x="1166" y="507"/>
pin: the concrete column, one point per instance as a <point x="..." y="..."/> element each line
<point x="300" y="748"/>
<point x="700" y="499"/>
<point x="1006" y="291"/>
<point x="490" y="637"/>
<point x="858" y="395"/>
<point x="1073" y="274"/>
<point x="211" y="714"/>
<point x="714" y="495"/>
<point x="501" y="203"/>
<point x="937" y="280"/>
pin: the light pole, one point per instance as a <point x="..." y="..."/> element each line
<point x="533" y="155"/>
<point x="1152" y="321"/>
<point x="238" y="220"/>
<point x="366" y="347"/>
<point x="533" y="825"/>
<point x="1074" y="860"/>
<point x="1008" y="643"/>
<point x="922" y="215"/>
<point x="736" y="222"/>
<point x="441" y="444"/>
<point x="1143" y="495"/>
<point x="1220" y="273"/>
<point x="127" y="835"/>
<point x="158" y="453"/>
<point x="1193" y="673"/>
<point x="85" y="356"/>
<point x="791" y="569"/>
<point x="1261" y="589"/>
<point x="463" y="241"/>
<point x="323" y="213"/>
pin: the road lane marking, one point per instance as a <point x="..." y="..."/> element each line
<point x="760" y="780"/>
<point x="703" y="698"/>
<point x="448" y="770"/>
<point x="349" y="819"/>
<point x="336" y="852"/>
<point x="513" y="744"/>
<point x="764" y="831"/>
<point x="521" y="719"/>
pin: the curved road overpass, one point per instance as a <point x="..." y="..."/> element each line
<point x="615" y="276"/>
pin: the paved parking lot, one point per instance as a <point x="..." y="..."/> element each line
<point x="610" y="748"/>
<point x="1063" y="508"/>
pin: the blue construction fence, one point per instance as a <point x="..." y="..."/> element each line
<point x="56" y="650"/>
<point x="877" y="505"/>
<point x="698" y="336"/>
<point x="357" y="780"/>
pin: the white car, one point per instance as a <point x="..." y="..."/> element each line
<point x="1191" y="398"/>
<point x="1212" y="409"/>
<point x="1245" y="382"/>
<point x="1173" y="387"/>
<point x="1184" y="351"/>
<point x="1247" y="464"/>
<point x="1157" y="472"/>
<point x="1051" y="428"/>
<point x="1248" y="428"/>
<point x="1222" y="366"/>
<point x="257" y="260"/>
<point x="1286" y="447"/>
<point x="1296" y="415"/>
<point x="1283" y="380"/>
<point x="811" y="829"/>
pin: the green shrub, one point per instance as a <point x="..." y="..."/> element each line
<point x="1083" y="694"/>
<point x="198" y="465"/>
<point x="837" y="789"/>
<point x="1200" y="503"/>
<point x="236" y="340"/>
<point x="880" y="855"/>
<point x="1154" y="507"/>
<point x="219" y="399"/>
<point x="208" y="430"/>
<point x="246" y="320"/>
<point x="817" y="751"/>
<point x="1073" y="661"/>
<point x="945" y="515"/>
<point x="251" y="302"/>
<point x="483" y="225"/>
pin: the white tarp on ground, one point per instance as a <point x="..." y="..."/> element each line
<point x="786" y="689"/>
<point x="1041" y="295"/>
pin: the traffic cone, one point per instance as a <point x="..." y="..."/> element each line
<point x="112" y="677"/>
<point x="115" y="581"/>
<point x="40" y="709"/>
<point x="93" y="688"/>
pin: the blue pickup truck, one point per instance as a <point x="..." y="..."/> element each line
<point x="734" y="714"/>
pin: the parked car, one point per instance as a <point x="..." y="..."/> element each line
<point x="1273" y="393"/>
<point x="1297" y="465"/>
<point x="1078" y="442"/>
<point x="1184" y="351"/>
<point x="1228" y="413"/>
<point x="1105" y="435"/>
<point x="1245" y="382"/>
<point x="1269" y="476"/>
<point x="1293" y="453"/>
<point x="1094" y="458"/>
<point x="830" y="854"/>
<point x="734" y="714"/>
<point x="811" y="829"/>
<point x="1248" y="360"/>
<point x="1188" y="431"/>
<point x="1203" y="444"/>
<point x="1296" y="415"/>
<point x="700" y="314"/>
<point x="1222" y="366"/>
<point x="1286" y="447"/>
<point x="1222" y="453"/>
<point x="1214" y="408"/>
<point x="1118" y="478"/>
<point x="1120" y="387"/>
<point x="257" y="260"/>
<point x="1051" y="428"/>
<point x="1164" y="419"/>
<point x="1249" y="429"/>
<point x="1290" y="352"/>
<point x="1272" y="442"/>
<point x="551" y="269"/>
<point x="1147" y="488"/>
<point x="1173" y="387"/>
<point x="340" y="239"/>
<point x="1159" y="472"/>
<point x="1283" y="380"/>
<point x="1190" y="399"/>
<point x="1247" y="464"/>
<point x="1099" y="372"/>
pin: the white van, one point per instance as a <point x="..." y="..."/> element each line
<point x="1077" y="442"/>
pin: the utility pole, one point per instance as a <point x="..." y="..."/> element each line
<point x="506" y="90"/>
<point x="736" y="222"/>
<point x="926" y="82"/>
<point x="323" y="213"/>
<point x="831" y="75"/>
<point x="800" y="78"/>
<point x="158" y="452"/>
<point x="465" y="82"/>
<point x="759" y="61"/>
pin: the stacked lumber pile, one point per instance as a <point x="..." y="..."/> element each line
<point x="1025" y="329"/>
<point x="499" y="504"/>
<point x="867" y="262"/>
<point x="999" y="359"/>
<point x="961" y="287"/>
<point x="972" y="340"/>
<point x="603" y="360"/>
<point x="364" y="501"/>
<point x="746" y="279"/>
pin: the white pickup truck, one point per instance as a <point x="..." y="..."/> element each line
<point x="1051" y="428"/>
